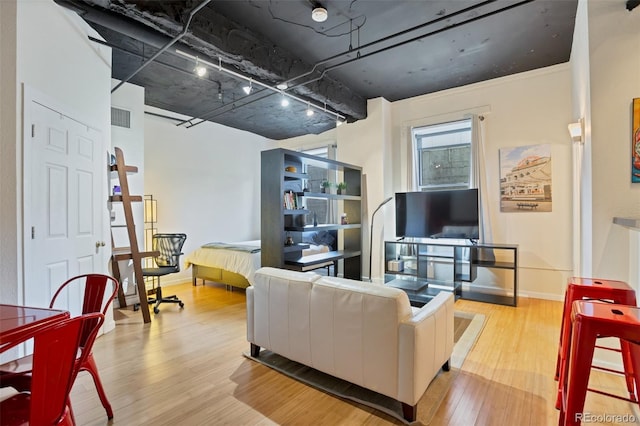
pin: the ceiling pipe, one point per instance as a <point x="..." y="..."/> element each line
<point x="139" y="32"/>
<point x="387" y="38"/>
<point x="333" y="67"/>
<point x="339" y="55"/>
<point x="165" y="47"/>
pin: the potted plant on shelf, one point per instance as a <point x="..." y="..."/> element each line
<point x="325" y="185"/>
<point x="342" y="188"/>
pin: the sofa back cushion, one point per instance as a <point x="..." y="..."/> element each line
<point x="281" y="311"/>
<point x="354" y="331"/>
<point x="342" y="327"/>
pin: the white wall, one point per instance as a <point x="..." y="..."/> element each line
<point x="364" y="144"/>
<point x="525" y="109"/>
<point x="131" y="141"/>
<point x="582" y="181"/>
<point x="614" y="47"/>
<point x="9" y="148"/>
<point x="206" y="180"/>
<point x="46" y="48"/>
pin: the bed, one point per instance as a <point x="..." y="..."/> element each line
<point x="233" y="264"/>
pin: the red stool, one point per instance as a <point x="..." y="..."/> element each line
<point x="599" y="289"/>
<point x="590" y="320"/>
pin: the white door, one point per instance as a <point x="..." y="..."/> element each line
<point x="64" y="233"/>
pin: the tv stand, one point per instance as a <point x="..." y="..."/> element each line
<point x="470" y="270"/>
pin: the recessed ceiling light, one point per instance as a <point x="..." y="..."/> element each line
<point x="319" y="14"/>
<point x="282" y="86"/>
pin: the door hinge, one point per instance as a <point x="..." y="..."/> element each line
<point x="33" y="232"/>
<point x="33" y="130"/>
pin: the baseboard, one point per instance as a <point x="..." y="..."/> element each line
<point x="526" y="294"/>
<point x="543" y="296"/>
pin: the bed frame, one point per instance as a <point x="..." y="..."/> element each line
<point x="218" y="275"/>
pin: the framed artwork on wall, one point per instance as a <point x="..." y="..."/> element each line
<point x="635" y="142"/>
<point x="525" y="179"/>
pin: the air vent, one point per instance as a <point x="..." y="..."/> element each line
<point x="120" y="117"/>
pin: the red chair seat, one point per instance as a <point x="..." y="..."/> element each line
<point x="53" y="374"/>
<point x="97" y="297"/>
<point x="590" y="321"/>
<point x="613" y="291"/>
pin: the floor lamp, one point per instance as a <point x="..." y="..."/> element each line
<point x="371" y="234"/>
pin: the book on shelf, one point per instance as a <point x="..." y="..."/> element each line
<point x="290" y="200"/>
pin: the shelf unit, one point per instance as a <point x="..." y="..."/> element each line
<point x="466" y="270"/>
<point x="131" y="252"/>
<point x="281" y="218"/>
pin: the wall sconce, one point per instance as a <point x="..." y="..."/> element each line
<point x="576" y="132"/>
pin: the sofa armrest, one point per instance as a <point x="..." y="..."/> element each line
<point x="425" y="344"/>
<point x="250" y="315"/>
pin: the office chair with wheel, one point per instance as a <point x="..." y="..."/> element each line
<point x="167" y="262"/>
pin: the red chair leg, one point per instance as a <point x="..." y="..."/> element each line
<point x="90" y="366"/>
<point x="582" y="347"/>
<point x="634" y="359"/>
<point x="629" y="369"/>
<point x="565" y="328"/>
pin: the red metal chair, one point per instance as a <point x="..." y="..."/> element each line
<point x="97" y="292"/>
<point x="589" y="321"/>
<point x="54" y="371"/>
<point x="611" y="291"/>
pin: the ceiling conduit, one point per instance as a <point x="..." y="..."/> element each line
<point x="387" y="38"/>
<point x="218" y="111"/>
<point x="375" y="52"/>
<point x="165" y="47"/>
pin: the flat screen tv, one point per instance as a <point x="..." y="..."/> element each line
<point x="437" y="214"/>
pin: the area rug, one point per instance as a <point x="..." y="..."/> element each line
<point x="467" y="329"/>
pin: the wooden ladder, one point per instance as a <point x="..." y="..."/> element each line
<point x="132" y="252"/>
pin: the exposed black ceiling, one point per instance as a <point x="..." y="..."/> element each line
<point x="395" y="49"/>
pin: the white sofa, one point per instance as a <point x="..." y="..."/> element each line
<point x="365" y="333"/>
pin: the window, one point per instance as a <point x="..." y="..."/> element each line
<point x="321" y="208"/>
<point x="443" y="153"/>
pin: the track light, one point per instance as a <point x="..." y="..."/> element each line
<point x="200" y="69"/>
<point x="247" y="89"/>
<point x="201" y="63"/>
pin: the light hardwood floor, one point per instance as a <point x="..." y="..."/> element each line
<point x="186" y="368"/>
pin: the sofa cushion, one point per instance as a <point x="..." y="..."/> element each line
<point x="354" y="331"/>
<point x="283" y="298"/>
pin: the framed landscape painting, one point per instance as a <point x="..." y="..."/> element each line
<point x="635" y="142"/>
<point x="525" y="179"/>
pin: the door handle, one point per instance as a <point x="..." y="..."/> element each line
<point x="100" y="244"/>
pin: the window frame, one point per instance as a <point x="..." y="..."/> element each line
<point x="421" y="132"/>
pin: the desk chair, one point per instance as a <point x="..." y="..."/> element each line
<point x="97" y="292"/>
<point x="167" y="262"/>
<point x="54" y="371"/>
